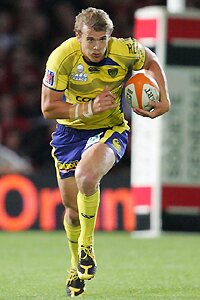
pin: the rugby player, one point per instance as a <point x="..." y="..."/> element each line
<point x="82" y="90"/>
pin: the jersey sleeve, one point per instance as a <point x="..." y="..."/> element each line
<point x="128" y="52"/>
<point x="56" y="76"/>
<point x="140" y="54"/>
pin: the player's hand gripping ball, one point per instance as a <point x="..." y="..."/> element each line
<point x="140" y="89"/>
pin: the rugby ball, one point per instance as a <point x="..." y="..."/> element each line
<point x="140" y="89"/>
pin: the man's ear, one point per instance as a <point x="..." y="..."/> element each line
<point x="78" y="36"/>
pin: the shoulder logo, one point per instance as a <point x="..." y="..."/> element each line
<point x="49" y="77"/>
<point x="132" y="48"/>
<point x="113" y="72"/>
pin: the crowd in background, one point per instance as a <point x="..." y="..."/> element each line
<point x="29" y="31"/>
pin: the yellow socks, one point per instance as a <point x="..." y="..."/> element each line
<point x="87" y="207"/>
<point x="83" y="234"/>
<point x="73" y="235"/>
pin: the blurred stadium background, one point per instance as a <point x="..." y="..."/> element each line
<point x="29" y="198"/>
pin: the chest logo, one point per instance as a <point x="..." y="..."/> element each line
<point x="94" y="69"/>
<point x="80" y="75"/>
<point x="113" y="72"/>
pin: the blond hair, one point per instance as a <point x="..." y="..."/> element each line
<point x="94" y="18"/>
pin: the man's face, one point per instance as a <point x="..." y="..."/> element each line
<point x="93" y="43"/>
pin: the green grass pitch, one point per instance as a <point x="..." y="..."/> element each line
<point x="33" y="266"/>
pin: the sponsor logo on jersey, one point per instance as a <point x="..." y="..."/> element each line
<point x="49" y="77"/>
<point x="80" y="76"/>
<point x="113" y="72"/>
<point x="84" y="99"/>
<point x="116" y="144"/>
<point x="93" y="69"/>
<point x="66" y="167"/>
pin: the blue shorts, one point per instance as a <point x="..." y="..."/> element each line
<point x="68" y="145"/>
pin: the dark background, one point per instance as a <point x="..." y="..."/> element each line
<point x="29" y="31"/>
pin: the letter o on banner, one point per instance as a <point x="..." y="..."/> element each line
<point x="28" y="193"/>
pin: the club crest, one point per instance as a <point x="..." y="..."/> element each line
<point x="113" y="72"/>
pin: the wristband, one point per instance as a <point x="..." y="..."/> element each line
<point x="89" y="112"/>
<point x="76" y="111"/>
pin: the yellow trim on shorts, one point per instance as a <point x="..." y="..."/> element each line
<point x="109" y="132"/>
<point x="56" y="162"/>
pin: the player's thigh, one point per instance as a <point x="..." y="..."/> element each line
<point x="97" y="160"/>
<point x="68" y="190"/>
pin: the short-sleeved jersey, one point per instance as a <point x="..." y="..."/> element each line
<point x="81" y="81"/>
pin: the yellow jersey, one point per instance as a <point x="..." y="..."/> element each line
<point x="81" y="81"/>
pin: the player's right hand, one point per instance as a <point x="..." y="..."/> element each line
<point x="104" y="101"/>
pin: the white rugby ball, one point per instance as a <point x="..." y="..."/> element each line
<point x="140" y="89"/>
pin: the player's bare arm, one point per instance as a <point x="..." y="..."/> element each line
<point x="159" y="108"/>
<point x="54" y="108"/>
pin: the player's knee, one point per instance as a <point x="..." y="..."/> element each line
<point x="86" y="180"/>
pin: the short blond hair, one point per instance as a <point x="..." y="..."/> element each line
<point x="94" y="18"/>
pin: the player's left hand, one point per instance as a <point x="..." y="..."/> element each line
<point x="158" y="109"/>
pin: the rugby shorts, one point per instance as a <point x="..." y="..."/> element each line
<point x="68" y="145"/>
